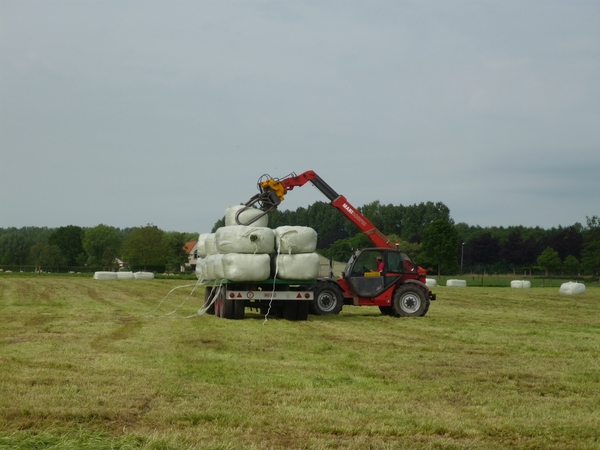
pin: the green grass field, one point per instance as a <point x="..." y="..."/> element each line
<point x="83" y="365"/>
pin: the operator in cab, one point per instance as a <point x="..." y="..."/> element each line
<point x="380" y="264"/>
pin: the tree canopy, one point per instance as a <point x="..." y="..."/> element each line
<point x="145" y="246"/>
<point x="69" y="240"/>
<point x="439" y="245"/>
<point x="102" y="245"/>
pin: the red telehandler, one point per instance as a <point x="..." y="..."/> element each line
<point x="399" y="289"/>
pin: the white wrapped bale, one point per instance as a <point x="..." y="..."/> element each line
<point x="125" y="275"/>
<point x="201" y="246"/>
<point x="105" y="275"/>
<point x="456" y="283"/>
<point x="571" y="288"/>
<point x="520" y="284"/>
<point x="210" y="246"/>
<point x="209" y="267"/>
<point x="295" y="239"/>
<point x="300" y="266"/>
<point x="201" y="269"/>
<point x="245" y="216"/>
<point x="243" y="239"/>
<point x="246" y="267"/>
<point x="219" y="274"/>
<point x="143" y="275"/>
<point x="431" y="282"/>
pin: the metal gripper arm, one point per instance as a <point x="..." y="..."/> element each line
<point x="266" y="201"/>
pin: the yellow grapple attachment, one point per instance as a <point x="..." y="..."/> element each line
<point x="274" y="186"/>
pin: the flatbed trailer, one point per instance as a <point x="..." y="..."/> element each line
<point x="285" y="299"/>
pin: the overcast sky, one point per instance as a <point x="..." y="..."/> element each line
<point x="134" y="112"/>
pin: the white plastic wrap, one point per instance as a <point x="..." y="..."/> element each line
<point x="246" y="267"/>
<point x="105" y="275"/>
<point x="520" y="284"/>
<point x="125" y="275"/>
<point x="456" y="283"/>
<point x="243" y="239"/>
<point x="201" y="269"/>
<point x="295" y="239"/>
<point x="431" y="282"/>
<point x="300" y="266"/>
<point x="209" y="244"/>
<point x="218" y="266"/>
<point x="245" y="216"/>
<point x="209" y="267"/>
<point x="143" y="275"/>
<point x="201" y="246"/>
<point x="571" y="287"/>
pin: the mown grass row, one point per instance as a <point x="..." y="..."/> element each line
<point x="117" y="364"/>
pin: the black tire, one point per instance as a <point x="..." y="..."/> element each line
<point x="239" y="309"/>
<point x="207" y="300"/>
<point x="219" y="302"/>
<point x="228" y="306"/>
<point x="328" y="299"/>
<point x="302" y="310"/>
<point x="386" y="310"/>
<point x="290" y="309"/>
<point x="410" y="301"/>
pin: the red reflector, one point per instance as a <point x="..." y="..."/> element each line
<point x="239" y="295"/>
<point x="306" y="295"/>
<point x="299" y="295"/>
<point x="231" y="295"/>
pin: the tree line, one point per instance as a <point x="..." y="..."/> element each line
<point x="425" y="231"/>
<point x="99" y="247"/>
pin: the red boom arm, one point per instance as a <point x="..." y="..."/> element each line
<point x="341" y="203"/>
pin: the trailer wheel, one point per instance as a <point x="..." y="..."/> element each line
<point x="410" y="301"/>
<point x="239" y="309"/>
<point x="328" y="299"/>
<point x="219" y="302"/>
<point x="207" y="300"/>
<point x="228" y="308"/>
<point x="302" y="310"/>
<point x="290" y="309"/>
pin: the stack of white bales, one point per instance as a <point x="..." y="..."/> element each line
<point x="296" y="258"/>
<point x="255" y="252"/>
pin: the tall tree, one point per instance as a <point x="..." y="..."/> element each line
<point x="484" y="250"/>
<point x="69" y="240"/>
<point x="440" y="244"/>
<point x="14" y="248"/>
<point x="145" y="246"/>
<point x="549" y="260"/>
<point x="416" y="218"/>
<point x="513" y="250"/>
<point x="571" y="265"/>
<point x="102" y="245"/>
<point x="175" y="255"/>
<point x="591" y="249"/>
<point x="46" y="256"/>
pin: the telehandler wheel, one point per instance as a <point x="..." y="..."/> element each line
<point x="410" y="301"/>
<point x="386" y="310"/>
<point x="328" y="299"/>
